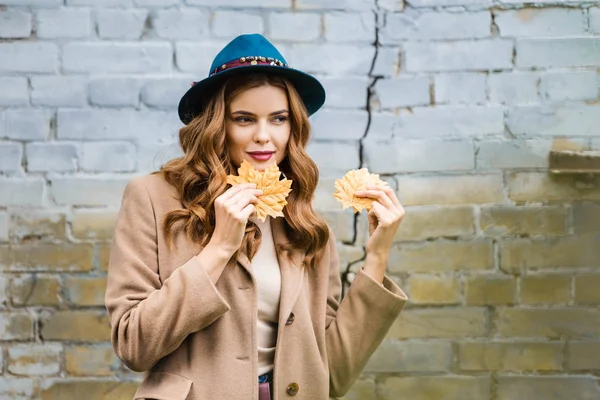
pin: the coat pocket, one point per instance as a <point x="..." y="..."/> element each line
<point x="164" y="386"/>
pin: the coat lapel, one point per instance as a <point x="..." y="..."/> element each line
<point x="292" y="271"/>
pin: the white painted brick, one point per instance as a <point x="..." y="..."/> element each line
<point x="108" y="157"/>
<point x="42" y="359"/>
<point x="21" y="191"/>
<point x="149" y="57"/>
<point x="14" y="91"/>
<point x="334" y="158"/>
<point x="459" y="88"/>
<point x="339" y="125"/>
<point x="332" y="59"/>
<point x="153" y="126"/>
<point x="37" y="3"/>
<point x="350" y="27"/>
<point x="297" y="27"/>
<point x="28" y="57"/>
<point x="188" y="60"/>
<point x="455" y="56"/>
<point x="448" y="3"/>
<point x="121" y="24"/>
<point x="576" y="85"/>
<point x="518" y="153"/>
<point x="435" y="25"/>
<point x="181" y="24"/>
<point x="558" y="52"/>
<point x="151" y="156"/>
<point x="155" y="3"/>
<point x="14" y="24"/>
<point x="554" y="121"/>
<point x="87" y="190"/>
<point x="514" y="88"/>
<point x="51" y="157"/>
<point x="17" y="388"/>
<point x="243" y="3"/>
<point x="100" y="3"/>
<point x="229" y="24"/>
<point x="4" y="220"/>
<point x="441" y="121"/>
<point x="164" y="93"/>
<point x="387" y="62"/>
<point x="27" y="124"/>
<point x="115" y="92"/>
<point x="391" y="5"/>
<point x="400" y="155"/>
<point x="10" y="156"/>
<point x="403" y="91"/>
<point x="63" y="23"/>
<point x="537" y="22"/>
<point x="346" y="92"/>
<point x="58" y="91"/>
<point x="336" y="4"/>
<point x="324" y="200"/>
<point x="594" y="16"/>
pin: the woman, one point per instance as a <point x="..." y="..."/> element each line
<point x="214" y="304"/>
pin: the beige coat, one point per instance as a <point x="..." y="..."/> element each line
<point x="197" y="340"/>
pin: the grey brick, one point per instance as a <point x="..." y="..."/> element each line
<point x="17" y="388"/>
<point x="14" y="91"/>
<point x="558" y="52"/>
<point x="324" y="200"/>
<point x="37" y="3"/>
<point x="187" y="59"/>
<point x="403" y="91"/>
<point x="332" y="59"/>
<point x="155" y="3"/>
<point x="100" y="3"/>
<point x="594" y="16"/>
<point x="346" y="92"/>
<point x="63" y="23"/>
<point x="297" y="27"/>
<point x="334" y="158"/>
<point x="108" y="157"/>
<point x="387" y="62"/>
<point x="28" y="57"/>
<point x="58" y="91"/>
<point x="121" y="24"/>
<point x="448" y="3"/>
<point x="115" y="92"/>
<point x="244" y="3"/>
<point x="117" y="57"/>
<point x="153" y="126"/>
<point x="47" y="358"/>
<point x="51" y="157"/>
<point x="458" y="88"/>
<point x="181" y="24"/>
<point x="400" y="155"/>
<point x="164" y="93"/>
<point x="576" y="85"/>
<point x="544" y="387"/>
<point x="467" y="55"/>
<point x="228" y="24"/>
<point x="339" y="125"/>
<point x="4" y="220"/>
<point x="540" y="22"/>
<point x="513" y="154"/>
<point x="151" y="156"/>
<point x="435" y="25"/>
<point x="14" y="24"/>
<point x="554" y="121"/>
<point x="391" y="5"/>
<point x="27" y="124"/>
<point x="10" y="156"/>
<point x="514" y="88"/>
<point x="87" y="190"/>
<point x="336" y="4"/>
<point x="350" y="27"/>
<point x="21" y="191"/>
<point x="442" y="121"/>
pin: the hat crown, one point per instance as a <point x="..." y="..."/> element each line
<point x="245" y="46"/>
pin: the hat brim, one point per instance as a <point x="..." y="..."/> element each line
<point x="308" y="87"/>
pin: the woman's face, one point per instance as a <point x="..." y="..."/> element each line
<point x="258" y="127"/>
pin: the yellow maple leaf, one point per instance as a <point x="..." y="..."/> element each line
<point x="356" y="180"/>
<point x="275" y="191"/>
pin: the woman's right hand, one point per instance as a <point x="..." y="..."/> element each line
<point x="232" y="210"/>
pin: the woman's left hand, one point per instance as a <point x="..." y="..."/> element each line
<point x="384" y="219"/>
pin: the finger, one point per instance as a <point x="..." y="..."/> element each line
<point x="248" y="211"/>
<point x="388" y="191"/>
<point x="378" y="195"/>
<point x="235" y="189"/>
<point x="244" y="193"/>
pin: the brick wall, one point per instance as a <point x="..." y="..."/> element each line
<point x="457" y="103"/>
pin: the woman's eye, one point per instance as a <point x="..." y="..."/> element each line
<point x="280" y="119"/>
<point x="243" y="120"/>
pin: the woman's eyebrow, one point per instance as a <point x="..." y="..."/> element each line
<point x="243" y="112"/>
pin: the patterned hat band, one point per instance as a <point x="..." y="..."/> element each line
<point x="248" y="61"/>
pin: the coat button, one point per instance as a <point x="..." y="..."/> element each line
<point x="292" y="389"/>
<point x="290" y="319"/>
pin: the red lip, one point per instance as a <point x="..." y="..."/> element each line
<point x="261" y="153"/>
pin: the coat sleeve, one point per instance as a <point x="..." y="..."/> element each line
<point x="150" y="319"/>
<point x="357" y="325"/>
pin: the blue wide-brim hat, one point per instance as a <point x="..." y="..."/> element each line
<point x="249" y="53"/>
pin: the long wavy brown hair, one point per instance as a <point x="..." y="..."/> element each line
<point x="200" y="175"/>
